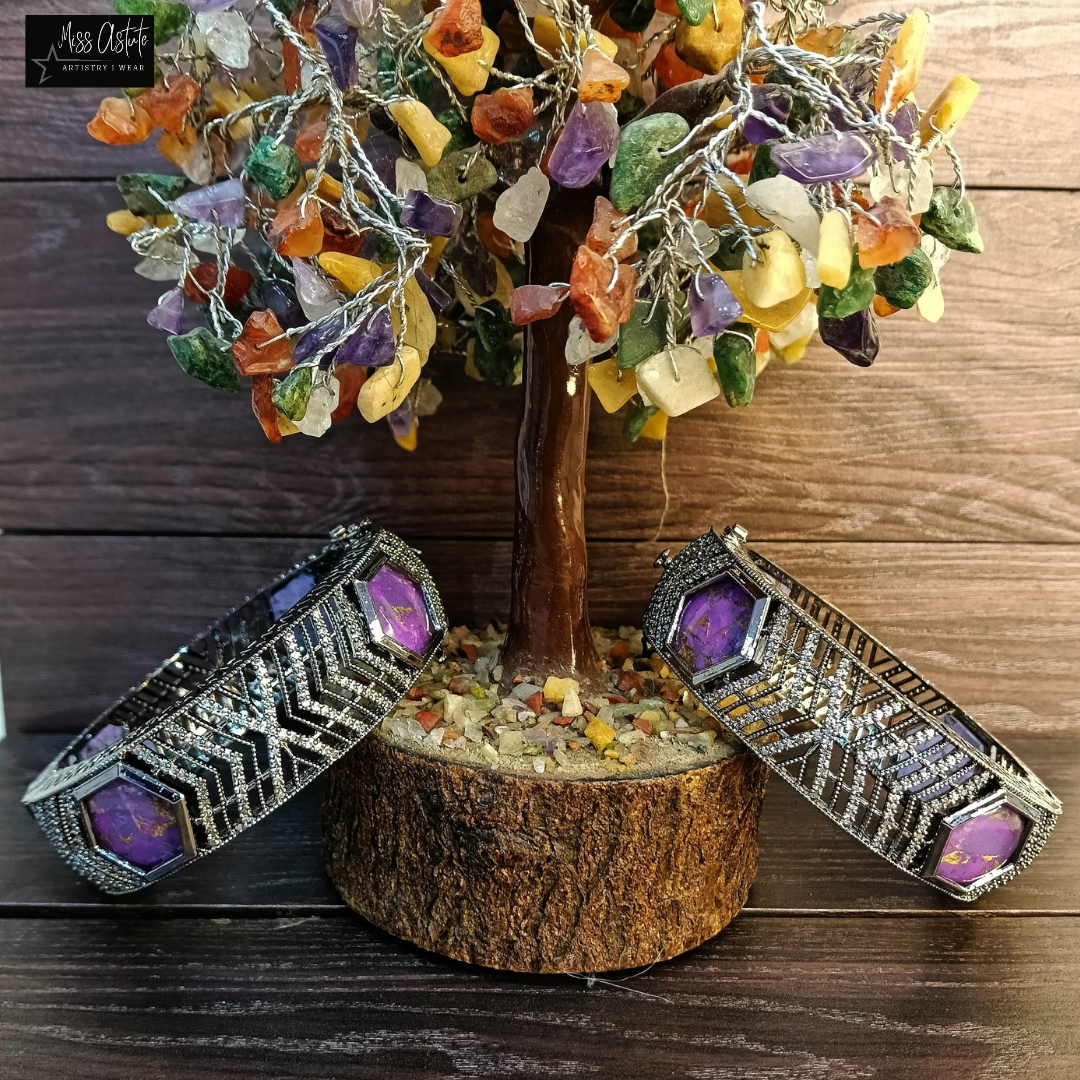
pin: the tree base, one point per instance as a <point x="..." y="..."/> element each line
<point x="536" y="874"/>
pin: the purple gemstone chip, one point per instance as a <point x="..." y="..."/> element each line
<point x="427" y="214"/>
<point x="823" y="159"/>
<point x="712" y="304"/>
<point x="219" y="204"/>
<point x="980" y="844"/>
<point x="589" y="138"/>
<point x="338" y="41"/>
<point x="716" y="623"/>
<point x="774" y="105"/>
<point x="134" y="824"/>
<point x="401" y="608"/>
<point x="169" y="313"/>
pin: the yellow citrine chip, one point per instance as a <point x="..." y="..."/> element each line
<point x="387" y="387"/>
<point x="777" y="274"/>
<point x="418" y="122"/>
<point x="949" y="108"/>
<point x="900" y="69"/>
<point x="834" y="249"/>
<point x="613" y="388"/>
<point x="468" y="72"/>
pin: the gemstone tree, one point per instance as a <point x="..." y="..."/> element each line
<point x="643" y="200"/>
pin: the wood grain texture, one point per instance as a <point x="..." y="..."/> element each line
<point x="83" y="618"/>
<point x="804" y="863"/>
<point x="524" y="873"/>
<point x="795" y="998"/>
<point x="1022" y="57"/>
<point x="967" y="430"/>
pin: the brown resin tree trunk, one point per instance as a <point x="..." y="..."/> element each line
<point x="549" y="632"/>
<point x="543" y="873"/>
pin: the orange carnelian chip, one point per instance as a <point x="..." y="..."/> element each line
<point x="672" y="69"/>
<point x="883" y="308"/>
<point x="202" y="278"/>
<point x="350" y="377"/>
<point x="888" y="236"/>
<point x="456" y="29"/>
<point x="120" y="122"/>
<point x="338" y="234"/>
<point x="297" y="233"/>
<point x="504" y="115"/>
<point x="256" y="352"/>
<point x="309" y="140"/>
<point x="601" y="299"/>
<point x="262" y="405"/>
<point x="601" y="80"/>
<point x="823" y="40"/>
<point x="168" y="105"/>
<point x="176" y="148"/>
<point x="495" y="240"/>
<point x="602" y="230"/>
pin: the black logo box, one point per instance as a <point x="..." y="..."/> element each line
<point x="89" y="50"/>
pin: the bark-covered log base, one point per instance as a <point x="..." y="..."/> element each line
<point x="541" y="875"/>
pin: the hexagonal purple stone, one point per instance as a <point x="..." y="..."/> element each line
<point x="401" y="608"/>
<point x="981" y="844"/>
<point x="715" y="623"/>
<point x="134" y="824"/>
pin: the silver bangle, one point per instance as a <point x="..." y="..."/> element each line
<point x="238" y="721"/>
<point x="851" y="727"/>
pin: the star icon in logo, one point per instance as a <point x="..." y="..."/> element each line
<point x="41" y="64"/>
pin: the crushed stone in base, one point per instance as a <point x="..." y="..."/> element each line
<point x="647" y="724"/>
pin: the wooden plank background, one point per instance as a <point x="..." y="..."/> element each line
<point x="936" y="496"/>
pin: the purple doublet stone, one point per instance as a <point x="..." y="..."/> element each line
<point x="427" y="214"/>
<point x="823" y="159"/>
<point x="960" y="729"/>
<point x="401" y="608"/>
<point x="134" y="824"/>
<point x="712" y="304"/>
<point x="715" y="623"/>
<point x="107" y="735"/>
<point x="588" y="140"/>
<point x="219" y="204"/>
<point x="980" y="844"/>
<point x="291" y="593"/>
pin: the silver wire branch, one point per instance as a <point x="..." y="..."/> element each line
<point x="813" y="78"/>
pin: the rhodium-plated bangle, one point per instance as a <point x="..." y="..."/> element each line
<point x="247" y="714"/>
<point x="851" y="727"/>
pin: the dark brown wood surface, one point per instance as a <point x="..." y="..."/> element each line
<point x="1018" y="136"/>
<point x="247" y="964"/>
<point x="804" y="865"/>
<point x="84" y="617"/>
<point x="523" y="873"/>
<point x="936" y="497"/>
<point x="965" y="430"/>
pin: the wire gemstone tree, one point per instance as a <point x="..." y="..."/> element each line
<point x="666" y="195"/>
